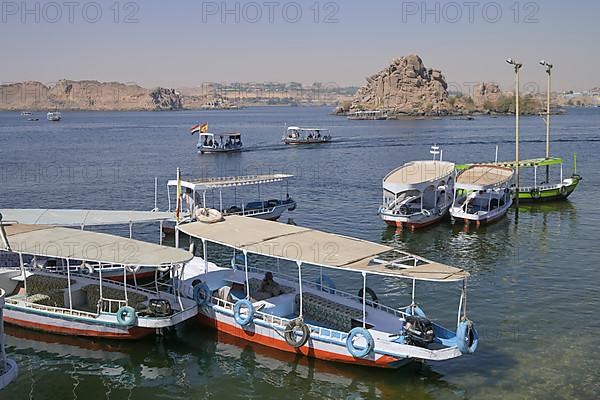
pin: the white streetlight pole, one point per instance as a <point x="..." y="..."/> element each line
<point x="517" y="67"/>
<point x="549" y="72"/>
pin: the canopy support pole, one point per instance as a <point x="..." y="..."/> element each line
<point x="125" y="284"/>
<point x="205" y="255"/>
<point x="22" y="264"/>
<point x="412" y="302"/>
<point x="156" y="193"/>
<point x="246" y="272"/>
<point x="220" y="200"/>
<point x="299" y="263"/>
<point x="535" y="176"/>
<point x="169" y="197"/>
<point x="177" y="235"/>
<point x="101" y="296"/>
<point x="179" y="286"/>
<point x="69" y="284"/>
<point x="130" y="230"/>
<point x="160" y="239"/>
<point x="364" y="300"/>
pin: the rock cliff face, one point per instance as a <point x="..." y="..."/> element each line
<point x="486" y="95"/>
<point x="86" y="95"/>
<point x="406" y="87"/>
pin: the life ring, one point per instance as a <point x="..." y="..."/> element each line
<point x="535" y="194"/>
<point x="360" y="351"/>
<point x="467" y="337"/>
<point x="208" y="215"/>
<point x="164" y="268"/>
<point x="86" y="269"/>
<point x="325" y="282"/>
<point x="237" y="312"/>
<point x="426" y="213"/>
<point x="415" y="310"/>
<point x="292" y="206"/>
<point x="133" y="270"/>
<point x="201" y="294"/>
<point x="293" y="337"/>
<point x="371" y="292"/>
<point x="126" y="316"/>
<point x="563" y="190"/>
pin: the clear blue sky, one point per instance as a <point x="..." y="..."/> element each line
<point x="185" y="43"/>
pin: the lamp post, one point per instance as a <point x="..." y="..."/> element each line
<point x="517" y="67"/>
<point x="549" y="72"/>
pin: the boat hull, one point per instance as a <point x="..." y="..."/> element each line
<point x="552" y="194"/>
<point x="314" y="349"/>
<point x="412" y="222"/>
<point x="66" y="325"/>
<point x="486" y="220"/>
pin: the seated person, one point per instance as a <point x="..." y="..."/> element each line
<point x="268" y="288"/>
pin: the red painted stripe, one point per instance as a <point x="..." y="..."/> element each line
<point x="280" y="344"/>
<point x="132" y="333"/>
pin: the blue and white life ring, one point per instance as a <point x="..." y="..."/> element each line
<point x="360" y="351"/>
<point x="237" y="312"/>
<point x="201" y="294"/>
<point x="126" y="316"/>
<point x="467" y="337"/>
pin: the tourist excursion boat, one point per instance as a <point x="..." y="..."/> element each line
<point x="482" y="194"/>
<point x="199" y="196"/>
<point x="368" y="115"/>
<point x="278" y="304"/>
<point x="91" y="218"/>
<point x="26" y="113"/>
<point x="54" y="116"/>
<point x="297" y="135"/>
<point x="219" y="143"/>
<point x="541" y="187"/>
<point x="417" y="194"/>
<point x="67" y="302"/>
<point x="8" y="367"/>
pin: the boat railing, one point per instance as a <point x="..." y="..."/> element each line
<point x="51" y="309"/>
<point x="109" y="283"/>
<point x="106" y="305"/>
<point x="524" y="189"/>
<point x="326" y="289"/>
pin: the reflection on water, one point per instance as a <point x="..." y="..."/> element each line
<point x="533" y="286"/>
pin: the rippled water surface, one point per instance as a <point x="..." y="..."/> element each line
<point x="533" y="292"/>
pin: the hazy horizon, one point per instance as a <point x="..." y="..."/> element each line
<point x="187" y="44"/>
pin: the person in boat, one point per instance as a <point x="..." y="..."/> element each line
<point x="205" y="141"/>
<point x="268" y="287"/>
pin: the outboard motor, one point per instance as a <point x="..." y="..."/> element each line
<point x="159" y="308"/>
<point x="419" y="331"/>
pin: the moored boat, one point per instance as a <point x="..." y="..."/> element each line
<point x="541" y="187"/>
<point x="283" y="309"/>
<point x="417" y="194"/>
<point x="482" y="194"/>
<point x="297" y="135"/>
<point x="68" y="302"/>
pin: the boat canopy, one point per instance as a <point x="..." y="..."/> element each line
<point x="417" y="175"/>
<point x="297" y="128"/>
<point x="310" y="246"/>
<point x="227" y="134"/>
<point x="533" y="162"/>
<point x="75" y="244"/>
<point x="229" y="181"/>
<point x="482" y="177"/>
<point x="46" y="216"/>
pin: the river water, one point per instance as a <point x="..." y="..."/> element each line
<point x="533" y="287"/>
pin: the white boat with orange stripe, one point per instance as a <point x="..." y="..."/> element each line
<point x="271" y="301"/>
<point x="67" y="302"/>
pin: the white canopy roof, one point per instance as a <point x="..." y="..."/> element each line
<point x="310" y="246"/>
<point x="75" y="244"/>
<point x="229" y="181"/>
<point x="81" y="217"/>
<point x="418" y="175"/>
<point x="482" y="177"/>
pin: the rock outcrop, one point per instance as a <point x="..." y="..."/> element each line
<point x="487" y="95"/>
<point x="87" y="96"/>
<point x="406" y="87"/>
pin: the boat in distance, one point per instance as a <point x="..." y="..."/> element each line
<point x="297" y="135"/>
